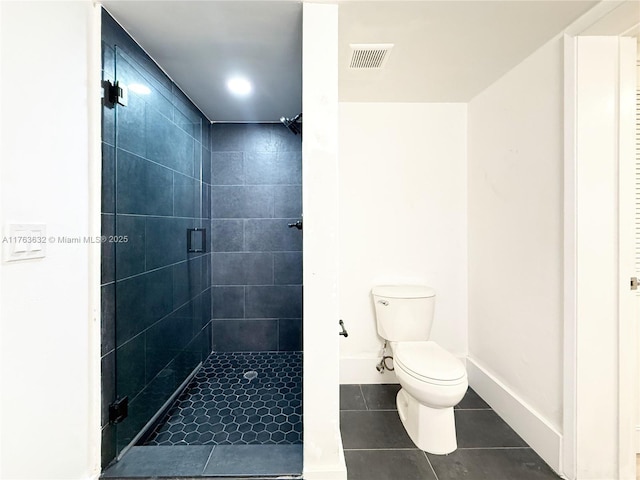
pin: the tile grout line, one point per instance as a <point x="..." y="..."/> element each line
<point x="471" y="409"/>
<point x="206" y="464"/>
<point x="459" y="448"/>
<point x="430" y="465"/>
<point x="416" y="448"/>
<point x="495" y="448"/>
<point x="372" y="410"/>
<point x="366" y="407"/>
<point x="408" y="449"/>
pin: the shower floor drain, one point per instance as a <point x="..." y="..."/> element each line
<point x="250" y="375"/>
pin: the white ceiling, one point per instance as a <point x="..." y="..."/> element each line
<point x="445" y="51"/>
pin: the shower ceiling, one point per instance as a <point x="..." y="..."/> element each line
<point x="445" y="51"/>
<point x="202" y="44"/>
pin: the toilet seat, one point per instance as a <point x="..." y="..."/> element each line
<point x="429" y="362"/>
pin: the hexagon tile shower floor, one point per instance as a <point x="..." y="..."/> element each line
<point x="238" y="398"/>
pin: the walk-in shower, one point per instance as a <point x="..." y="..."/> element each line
<point x="201" y="339"/>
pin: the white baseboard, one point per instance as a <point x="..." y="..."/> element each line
<point x="363" y="370"/>
<point x="529" y="424"/>
<point x="638" y="439"/>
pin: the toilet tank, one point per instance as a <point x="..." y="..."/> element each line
<point x="404" y="312"/>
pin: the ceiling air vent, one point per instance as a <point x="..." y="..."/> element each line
<point x="369" y="55"/>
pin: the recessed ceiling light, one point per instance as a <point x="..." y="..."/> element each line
<point x="239" y="86"/>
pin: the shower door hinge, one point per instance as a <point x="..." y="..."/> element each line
<point x="634" y="283"/>
<point x="118" y="410"/>
<point x="113" y="93"/>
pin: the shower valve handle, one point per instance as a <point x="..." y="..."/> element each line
<point x="297" y="225"/>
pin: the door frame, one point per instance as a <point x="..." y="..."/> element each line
<point x="598" y="262"/>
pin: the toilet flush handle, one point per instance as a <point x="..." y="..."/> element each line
<point x="344" y="331"/>
<point x="383" y="302"/>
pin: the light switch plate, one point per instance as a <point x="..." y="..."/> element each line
<point x="24" y="241"/>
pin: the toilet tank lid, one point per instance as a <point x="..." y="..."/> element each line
<point x="403" y="291"/>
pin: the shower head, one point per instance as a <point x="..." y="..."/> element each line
<point x="293" y="124"/>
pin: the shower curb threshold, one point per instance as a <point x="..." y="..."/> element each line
<point x="195" y="462"/>
<point x="225" y="477"/>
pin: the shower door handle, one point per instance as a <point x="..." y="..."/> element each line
<point x="297" y="225"/>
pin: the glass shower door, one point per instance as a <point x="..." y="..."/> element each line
<point x="162" y="301"/>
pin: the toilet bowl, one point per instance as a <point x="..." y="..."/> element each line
<point x="432" y="382"/>
<point x="432" y="379"/>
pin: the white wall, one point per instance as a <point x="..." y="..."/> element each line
<point x="403" y="212"/>
<point x="49" y="408"/>
<point x="323" y="455"/>
<point x="515" y="176"/>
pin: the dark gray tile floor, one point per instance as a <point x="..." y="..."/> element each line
<point x="377" y="447"/>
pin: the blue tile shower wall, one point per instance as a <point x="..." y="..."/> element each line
<point x="156" y="298"/>
<point x="256" y="267"/>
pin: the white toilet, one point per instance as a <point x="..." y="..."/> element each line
<point x="432" y="379"/>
